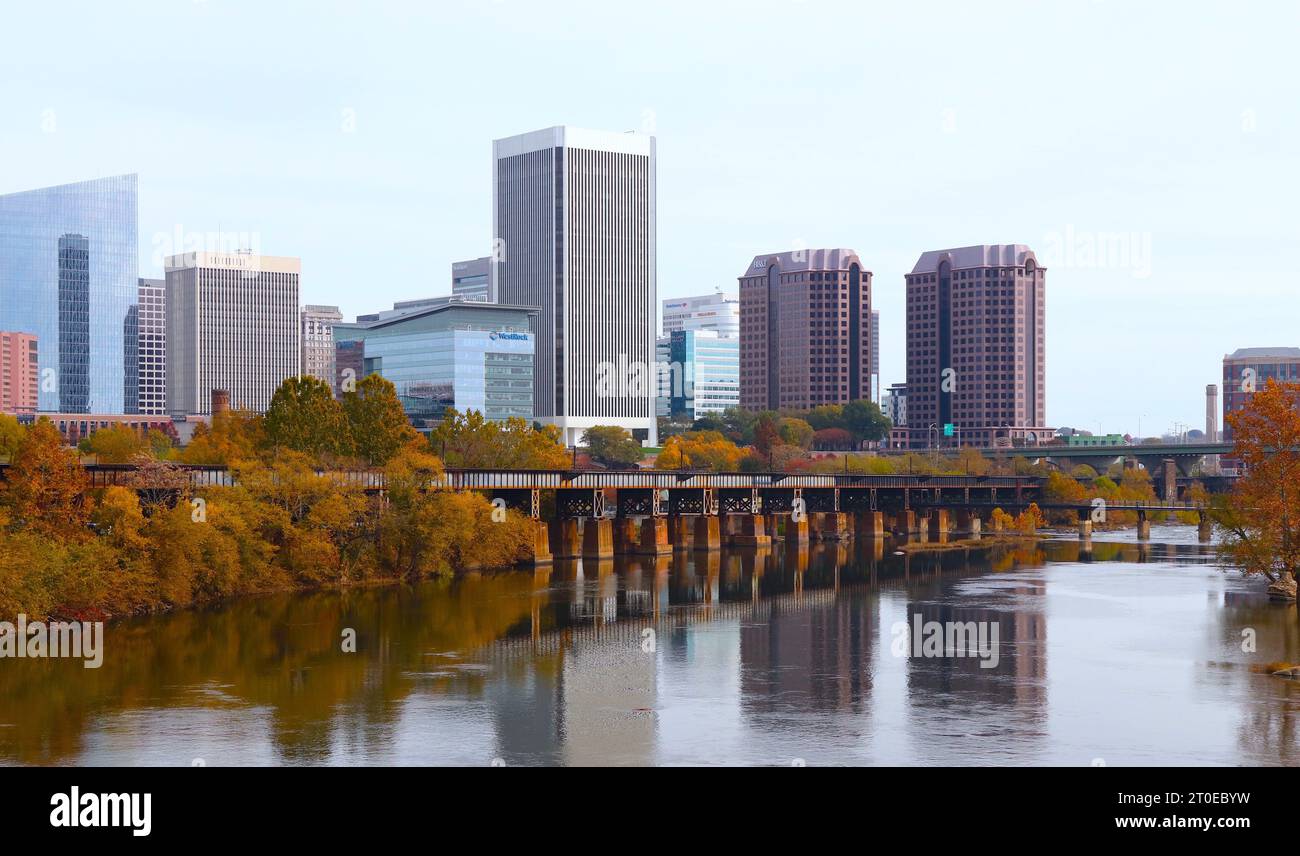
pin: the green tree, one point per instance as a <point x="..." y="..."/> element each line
<point x="612" y="446"/>
<point x="468" y="440"/>
<point x="304" y="417"/>
<point x="376" y="421"/>
<point x="795" y="432"/>
<point x="865" y="421"/>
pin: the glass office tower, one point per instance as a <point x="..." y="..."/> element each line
<point x="68" y="275"/>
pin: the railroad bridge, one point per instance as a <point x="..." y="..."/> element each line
<point x="598" y="513"/>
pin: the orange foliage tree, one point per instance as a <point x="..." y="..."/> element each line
<point x="1258" y="519"/>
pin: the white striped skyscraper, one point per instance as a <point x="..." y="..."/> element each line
<point x="573" y="214"/>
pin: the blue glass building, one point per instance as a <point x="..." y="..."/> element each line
<point x="698" y="373"/>
<point x="68" y="275"/>
<point x="451" y="353"/>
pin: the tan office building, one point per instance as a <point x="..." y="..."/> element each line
<point x="232" y="323"/>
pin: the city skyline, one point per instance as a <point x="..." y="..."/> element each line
<point x="1181" y="167"/>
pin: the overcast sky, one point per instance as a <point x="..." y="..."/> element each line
<point x="358" y="136"/>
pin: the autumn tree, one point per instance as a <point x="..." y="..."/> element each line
<point x="376" y="421"/>
<point x="767" y="435"/>
<point x="707" y="450"/>
<point x="235" y="435"/>
<point x="46" y="485"/>
<point x="116" y="444"/>
<point x="673" y="457"/>
<point x="11" y="433"/>
<point x="305" y="417"/>
<point x="1258" y="519"/>
<point x="833" y="438"/>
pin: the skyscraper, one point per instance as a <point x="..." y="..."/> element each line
<point x="805" y="320"/>
<point x="573" y="215"/>
<point x="68" y="271"/>
<point x="232" y="324"/>
<point x="74" y="324"/>
<point x="976" y="351"/>
<point x="147" y="383"/>
<point x="471" y="279"/>
<point x="318" y="342"/>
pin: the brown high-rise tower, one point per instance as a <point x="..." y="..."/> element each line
<point x="805" y="330"/>
<point x="976" y="349"/>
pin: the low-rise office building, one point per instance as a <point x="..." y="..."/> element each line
<point x="1247" y="370"/>
<point x="467" y="355"/>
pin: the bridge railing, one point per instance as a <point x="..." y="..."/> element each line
<point x="105" y="475"/>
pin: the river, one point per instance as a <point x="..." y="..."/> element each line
<point x="1126" y="654"/>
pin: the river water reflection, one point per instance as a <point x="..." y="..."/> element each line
<point x="1131" y="654"/>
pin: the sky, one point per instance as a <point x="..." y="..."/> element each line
<point x="1149" y="152"/>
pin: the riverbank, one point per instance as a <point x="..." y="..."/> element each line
<point x="991" y="540"/>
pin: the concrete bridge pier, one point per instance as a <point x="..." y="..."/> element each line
<point x="869" y="525"/>
<point x="796" y="531"/>
<point x="1085" y="528"/>
<point x="708" y="533"/>
<point x="566" y="539"/>
<point x="968" y="522"/>
<point x="1204" y="531"/>
<point x="598" y="538"/>
<point x="771" y="522"/>
<point x="681" y="532"/>
<point x="627" y="535"/>
<point x="906" y="523"/>
<point x="752" y="531"/>
<point x="940" y="524"/>
<point x="730" y="524"/>
<point x="831" y="526"/>
<point x="541" y="544"/>
<point x="1144" y="527"/>
<point x="653" y="537"/>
